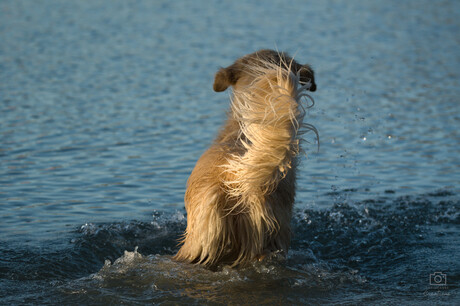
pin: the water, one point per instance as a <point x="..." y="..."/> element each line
<point x="106" y="106"/>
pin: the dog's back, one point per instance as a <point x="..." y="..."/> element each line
<point x="240" y="194"/>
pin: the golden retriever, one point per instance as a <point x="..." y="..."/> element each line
<point x="241" y="192"/>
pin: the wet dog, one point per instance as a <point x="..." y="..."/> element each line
<point x="241" y="192"/>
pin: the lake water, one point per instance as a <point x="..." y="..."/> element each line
<point x="105" y="106"/>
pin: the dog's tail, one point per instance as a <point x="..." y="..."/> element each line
<point x="270" y="113"/>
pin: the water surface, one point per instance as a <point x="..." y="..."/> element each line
<point x="105" y="106"/>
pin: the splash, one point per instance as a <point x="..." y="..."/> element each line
<point x="372" y="248"/>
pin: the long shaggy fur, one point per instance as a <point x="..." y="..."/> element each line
<point x="240" y="194"/>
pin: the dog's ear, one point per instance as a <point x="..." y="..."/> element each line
<point x="224" y="78"/>
<point x="221" y="80"/>
<point x="307" y="75"/>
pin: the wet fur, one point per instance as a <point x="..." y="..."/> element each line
<point x="241" y="192"/>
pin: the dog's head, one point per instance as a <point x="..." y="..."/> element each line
<point x="239" y="75"/>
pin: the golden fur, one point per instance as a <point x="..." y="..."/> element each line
<point x="241" y="192"/>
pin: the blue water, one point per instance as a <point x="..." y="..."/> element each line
<point x="105" y="106"/>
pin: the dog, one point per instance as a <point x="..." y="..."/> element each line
<point x="240" y="195"/>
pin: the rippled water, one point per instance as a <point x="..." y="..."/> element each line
<point x="106" y="105"/>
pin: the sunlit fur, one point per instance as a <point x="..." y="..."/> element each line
<point x="240" y="194"/>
